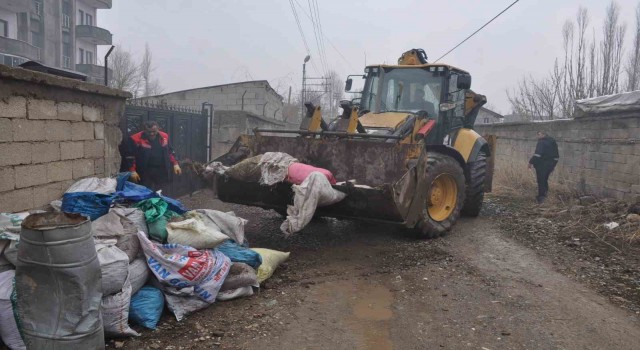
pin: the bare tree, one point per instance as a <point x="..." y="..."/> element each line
<point x="632" y="68"/>
<point x="611" y="51"/>
<point x="151" y="86"/>
<point x="588" y="68"/>
<point x="125" y="72"/>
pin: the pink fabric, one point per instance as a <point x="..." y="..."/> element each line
<point x="298" y="172"/>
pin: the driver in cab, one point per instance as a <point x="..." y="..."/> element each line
<point x="419" y="103"/>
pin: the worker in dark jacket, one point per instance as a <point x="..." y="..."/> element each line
<point x="544" y="160"/>
<point x="150" y="158"/>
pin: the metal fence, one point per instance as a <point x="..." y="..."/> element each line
<point x="188" y="130"/>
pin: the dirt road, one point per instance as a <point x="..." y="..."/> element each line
<point x="351" y="285"/>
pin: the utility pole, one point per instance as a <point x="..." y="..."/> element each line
<point x="304" y="78"/>
<point x="289" y="100"/>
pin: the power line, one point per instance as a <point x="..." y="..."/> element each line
<point x="474" y="33"/>
<point x="317" y="36"/>
<point x="324" y="51"/>
<point x="328" y="40"/>
<point x="304" y="39"/>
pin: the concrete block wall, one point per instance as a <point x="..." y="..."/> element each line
<point x="53" y="131"/>
<point x="598" y="155"/>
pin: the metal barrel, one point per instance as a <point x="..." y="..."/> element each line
<point x="58" y="283"/>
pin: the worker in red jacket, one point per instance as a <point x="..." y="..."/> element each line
<point x="150" y="157"/>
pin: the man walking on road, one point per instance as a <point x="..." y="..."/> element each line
<point x="544" y="160"/>
<point x="150" y="157"/>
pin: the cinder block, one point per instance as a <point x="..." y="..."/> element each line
<point x="7" y="179"/>
<point x="94" y="149"/>
<point x="71" y="150"/>
<point x="28" y="130"/>
<point x="98" y="131"/>
<point x="56" y="130"/>
<point x="81" y="131"/>
<point x="92" y="114"/>
<point x="43" y="195"/>
<point x="15" y="153"/>
<point x="13" y="107"/>
<point x="6" y="130"/>
<point x="83" y="168"/>
<point x="18" y="200"/>
<point x="60" y="171"/>
<point x="99" y="167"/>
<point x="70" y="111"/>
<point x="42" y="109"/>
<point x="44" y="152"/>
<point x="31" y="175"/>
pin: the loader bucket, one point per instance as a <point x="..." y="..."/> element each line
<point x="383" y="168"/>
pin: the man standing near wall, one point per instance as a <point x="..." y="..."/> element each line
<point x="151" y="158"/>
<point x="544" y="160"/>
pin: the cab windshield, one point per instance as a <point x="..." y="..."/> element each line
<point x="402" y="90"/>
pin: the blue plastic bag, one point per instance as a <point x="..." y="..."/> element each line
<point x="239" y="253"/>
<point x="146" y="307"/>
<point x="90" y="204"/>
<point x="133" y="192"/>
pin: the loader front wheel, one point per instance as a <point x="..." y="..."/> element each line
<point x="475" y="186"/>
<point x="445" y="195"/>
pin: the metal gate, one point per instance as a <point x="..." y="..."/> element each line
<point x="188" y="130"/>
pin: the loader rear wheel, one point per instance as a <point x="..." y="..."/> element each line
<point x="475" y="186"/>
<point x="445" y="196"/>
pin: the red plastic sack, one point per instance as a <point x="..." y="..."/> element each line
<point x="298" y="172"/>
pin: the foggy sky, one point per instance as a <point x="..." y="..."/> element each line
<point x="199" y="43"/>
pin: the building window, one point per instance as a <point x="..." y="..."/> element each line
<point x="4" y="28"/>
<point x="81" y="56"/>
<point x="37" y="6"/>
<point x="89" y="57"/>
<point x="66" y="21"/>
<point x="89" y="20"/>
<point x="81" y="16"/>
<point x="66" y="62"/>
<point x="36" y="39"/>
<point x="66" y="50"/>
<point x="486" y="120"/>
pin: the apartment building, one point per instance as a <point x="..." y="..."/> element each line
<point x="56" y="33"/>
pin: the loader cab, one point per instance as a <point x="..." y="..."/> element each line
<point x="434" y="92"/>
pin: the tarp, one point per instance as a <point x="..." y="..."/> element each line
<point x="609" y="104"/>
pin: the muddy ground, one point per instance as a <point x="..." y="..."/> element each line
<point x="506" y="280"/>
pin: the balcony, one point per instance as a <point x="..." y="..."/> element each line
<point x="15" y="6"/>
<point x="19" y="48"/>
<point x="99" y="4"/>
<point x="95" y="73"/>
<point x="94" y="35"/>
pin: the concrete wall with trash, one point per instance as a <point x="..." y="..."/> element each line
<point x="53" y="131"/>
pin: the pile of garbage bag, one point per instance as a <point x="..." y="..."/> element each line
<point x="312" y="186"/>
<point x="151" y="250"/>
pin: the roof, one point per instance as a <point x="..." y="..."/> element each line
<point x="230" y="113"/>
<point x="224" y="85"/>
<point x="495" y="114"/>
<point x="416" y="66"/>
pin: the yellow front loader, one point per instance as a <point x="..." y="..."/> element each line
<point x="409" y="139"/>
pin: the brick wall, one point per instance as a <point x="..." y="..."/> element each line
<point x="53" y="131"/>
<point x="598" y="155"/>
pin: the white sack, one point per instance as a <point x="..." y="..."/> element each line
<point x="108" y="225"/>
<point x="8" y="327"/>
<point x="235" y="293"/>
<point x="114" y="264"/>
<point x="227" y="223"/>
<point x="315" y="191"/>
<point x="194" y="233"/>
<point x="138" y="274"/>
<point x="115" y="313"/>
<point x="135" y="215"/>
<point x="93" y="184"/>
<point x="274" y="167"/>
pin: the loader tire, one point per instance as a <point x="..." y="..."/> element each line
<point x="475" y="186"/>
<point x="445" y="196"/>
